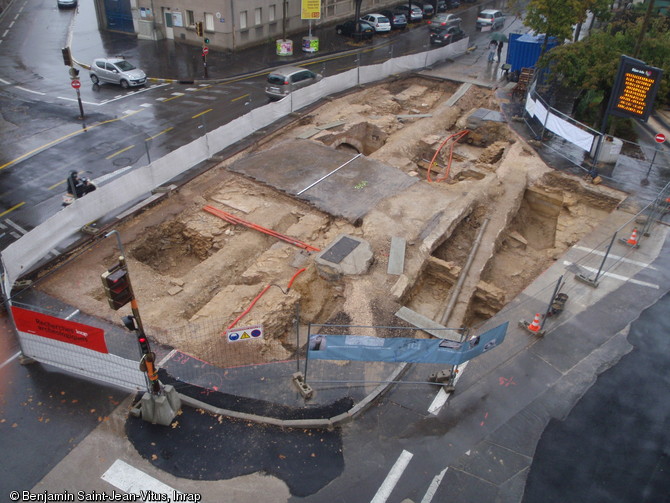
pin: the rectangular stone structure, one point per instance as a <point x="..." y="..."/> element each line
<point x="396" y="263"/>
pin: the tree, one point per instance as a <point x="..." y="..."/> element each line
<point x="591" y="65"/>
<point x="555" y="18"/>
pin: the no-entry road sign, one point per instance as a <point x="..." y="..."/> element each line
<point x="76" y="84"/>
<point x="205" y="50"/>
<point x="660" y="137"/>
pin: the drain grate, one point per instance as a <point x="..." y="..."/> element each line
<point x="338" y="251"/>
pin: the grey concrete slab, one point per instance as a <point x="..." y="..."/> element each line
<point x="396" y="263"/>
<point x="470" y="488"/>
<point x="305" y="162"/>
<point x="492" y="462"/>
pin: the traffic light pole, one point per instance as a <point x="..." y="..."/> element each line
<point x="134" y="323"/>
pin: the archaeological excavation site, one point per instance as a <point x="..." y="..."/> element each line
<point x="368" y="203"/>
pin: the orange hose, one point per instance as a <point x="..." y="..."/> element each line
<point x="457" y="137"/>
<point x="248" y="308"/>
<point x="290" y="283"/>
<point x="229" y="217"/>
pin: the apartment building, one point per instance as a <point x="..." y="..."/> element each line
<point x="228" y="24"/>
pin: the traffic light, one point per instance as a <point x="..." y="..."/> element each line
<point x="206" y="40"/>
<point x="198" y="28"/>
<point x="74" y="73"/>
<point x="67" y="57"/>
<point x="144" y="344"/>
<point x="117" y="287"/>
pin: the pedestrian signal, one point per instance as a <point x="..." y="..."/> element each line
<point x="117" y="287"/>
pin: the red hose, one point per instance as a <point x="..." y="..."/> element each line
<point x="456" y="137"/>
<point x="290" y="283"/>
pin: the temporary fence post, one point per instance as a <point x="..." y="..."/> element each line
<point x="551" y="301"/>
<point x="645" y="180"/>
<point x="297" y="336"/>
<point x="594" y="282"/>
<point x="309" y="333"/>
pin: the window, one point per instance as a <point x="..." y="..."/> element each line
<point x="243" y="20"/>
<point x="272" y="13"/>
<point x="258" y="16"/>
<point x="209" y="21"/>
<point x="190" y="18"/>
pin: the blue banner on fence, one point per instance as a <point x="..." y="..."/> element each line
<point x="397" y="349"/>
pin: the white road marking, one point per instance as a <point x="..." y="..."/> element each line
<point x="84" y="102"/>
<point x="30" y="90"/>
<point x="10" y="359"/>
<point x="11" y="24"/>
<point x="130" y="480"/>
<point x="4" y="81"/>
<point x="177" y="94"/>
<point x="442" y="396"/>
<point x="191" y="88"/>
<point x="392" y="478"/>
<point x="147" y="105"/>
<point x="615" y="276"/>
<point x="72" y="314"/>
<point x="432" y="488"/>
<point x="5" y="34"/>
<point x="617" y="257"/>
<point x="16" y="226"/>
<point x="16" y="17"/>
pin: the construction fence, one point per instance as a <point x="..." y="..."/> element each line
<point x="118" y="190"/>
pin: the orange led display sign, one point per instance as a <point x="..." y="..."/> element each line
<point x="635" y="89"/>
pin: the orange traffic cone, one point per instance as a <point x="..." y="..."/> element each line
<point x="632" y="240"/>
<point x="535" y="325"/>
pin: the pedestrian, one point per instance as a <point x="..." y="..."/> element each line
<point x="492" y="50"/>
<point x="500" y="48"/>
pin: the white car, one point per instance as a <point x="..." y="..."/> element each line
<point x="490" y="19"/>
<point x="379" y="22"/>
<point x="116" y="71"/>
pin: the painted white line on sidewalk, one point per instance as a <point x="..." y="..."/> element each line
<point x="614" y="276"/>
<point x="16" y="226"/>
<point x="167" y="357"/>
<point x="617" y="257"/>
<point x="3" y="81"/>
<point x="11" y="359"/>
<point x="392" y="478"/>
<point x="130" y="480"/>
<point x="442" y="396"/>
<point x="72" y="314"/>
<point x="432" y="488"/>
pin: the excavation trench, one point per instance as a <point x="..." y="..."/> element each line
<point x="195" y="273"/>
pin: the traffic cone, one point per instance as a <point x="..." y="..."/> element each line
<point x="632" y="240"/>
<point x="535" y="325"/>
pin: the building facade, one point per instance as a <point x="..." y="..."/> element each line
<point x="230" y="24"/>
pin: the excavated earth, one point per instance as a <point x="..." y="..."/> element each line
<point x="194" y="273"/>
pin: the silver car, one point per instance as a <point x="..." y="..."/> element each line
<point x="282" y="81"/>
<point x="116" y="71"/>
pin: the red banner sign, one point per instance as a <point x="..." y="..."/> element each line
<point x="60" y="330"/>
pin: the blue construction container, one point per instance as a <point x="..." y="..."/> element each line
<point x="524" y="50"/>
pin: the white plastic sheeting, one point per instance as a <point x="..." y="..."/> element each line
<point x="103" y="367"/>
<point x="575" y="135"/>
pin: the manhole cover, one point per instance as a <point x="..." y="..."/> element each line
<point x="336" y="253"/>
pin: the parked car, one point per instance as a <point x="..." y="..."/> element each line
<point x="446" y="35"/>
<point x="490" y="18"/>
<point x="445" y="5"/>
<point x="441" y="20"/>
<point x="413" y="15"/>
<point x="116" y="71"/>
<point x="378" y="21"/>
<point x="348" y="28"/>
<point x="427" y="9"/>
<point x="398" y="19"/>
<point x="67" y="4"/>
<point x="282" y="81"/>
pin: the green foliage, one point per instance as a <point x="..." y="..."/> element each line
<point x="592" y="63"/>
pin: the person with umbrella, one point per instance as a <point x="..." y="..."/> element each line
<point x="499" y="40"/>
